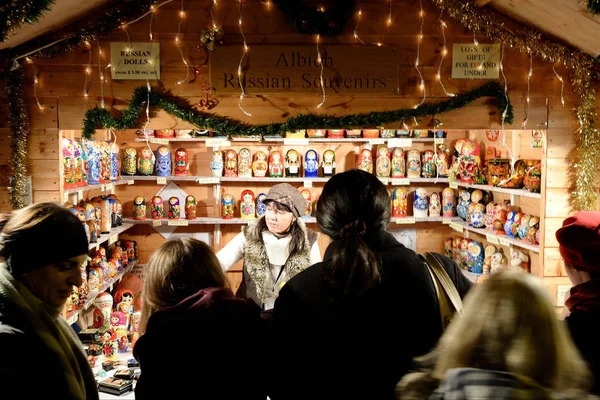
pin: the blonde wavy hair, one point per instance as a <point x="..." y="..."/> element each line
<point x="178" y="269"/>
<point x="510" y="324"/>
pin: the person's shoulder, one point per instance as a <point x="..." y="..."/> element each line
<point x="308" y="277"/>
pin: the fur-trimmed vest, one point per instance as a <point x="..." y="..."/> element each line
<point x="256" y="261"/>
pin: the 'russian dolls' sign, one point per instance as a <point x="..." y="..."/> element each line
<point x="475" y="62"/>
<point x="140" y="60"/>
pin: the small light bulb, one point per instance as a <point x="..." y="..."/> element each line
<point x="182" y="14"/>
<point x="359" y="13"/>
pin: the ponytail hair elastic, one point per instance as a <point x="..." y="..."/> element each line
<point x="357" y="227"/>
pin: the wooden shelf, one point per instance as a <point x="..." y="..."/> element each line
<point x="267" y="179"/>
<point x="257" y="179"/>
<point x="103" y="187"/>
<point x="74" y="316"/>
<point x="493" y="238"/>
<point x="272" y="139"/>
<point x="200" y="221"/>
<point x="111" y="237"/>
<point x="414" y="220"/>
<point x="490" y="188"/>
<point x="191" y="178"/>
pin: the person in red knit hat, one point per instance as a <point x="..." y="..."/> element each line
<point x="579" y="246"/>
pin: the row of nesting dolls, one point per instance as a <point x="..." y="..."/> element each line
<point x="159" y="164"/>
<point x="117" y="319"/>
<point x="480" y="211"/>
<point x="472" y="256"/>
<point x="99" y="215"/>
<point x="89" y="162"/>
<point x="400" y="164"/>
<point x="101" y="270"/>
<point x="157" y="208"/>
<point x="252" y="207"/>
<point x="365" y="133"/>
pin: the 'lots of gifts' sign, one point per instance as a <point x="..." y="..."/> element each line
<point x="470" y="61"/>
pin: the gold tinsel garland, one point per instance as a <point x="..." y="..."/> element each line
<point x="585" y="156"/>
<point x="19" y="123"/>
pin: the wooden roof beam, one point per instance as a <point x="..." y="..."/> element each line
<point x="481" y="3"/>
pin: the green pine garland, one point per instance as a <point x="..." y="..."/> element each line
<point x="19" y="12"/>
<point x="178" y="107"/>
<point x="593" y="6"/>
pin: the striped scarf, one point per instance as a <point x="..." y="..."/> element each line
<point x="55" y="333"/>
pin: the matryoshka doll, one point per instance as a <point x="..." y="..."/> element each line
<point x="68" y="164"/>
<point x="93" y="157"/>
<point x="260" y="164"/>
<point x="308" y="197"/>
<point x="398" y="163"/>
<point x="163" y="161"/>
<point x="145" y="164"/>
<point x="292" y="163"/>
<point x="448" y="203"/>
<point x="190" y="207"/>
<point x="476" y="257"/>
<point x="231" y="164"/>
<point x="328" y="163"/>
<point x="90" y="220"/>
<point x="216" y="165"/>
<point x="476" y="197"/>
<point x="335" y="133"/>
<point x="510" y="220"/>
<point x="78" y="157"/>
<point x="261" y="208"/>
<point x="106" y="224"/>
<point x="428" y="169"/>
<point x="165" y="133"/>
<point x="448" y="247"/>
<point x="245" y="163"/>
<point x="247" y="206"/>
<point x="103" y="303"/>
<point x="435" y="205"/>
<point x="129" y="161"/>
<point x="115" y="162"/>
<point x="105" y="161"/>
<point x="316" y="133"/>
<point x="182" y="162"/>
<point x="470" y="161"/>
<point x="174" y="208"/>
<point x="464" y="199"/>
<point x="365" y="161"/>
<point x="227" y="206"/>
<point x="399" y="202"/>
<point x="275" y="164"/>
<point x="139" y="208"/>
<point x="157" y="208"/>
<point x="420" y="203"/>
<point x="533" y="227"/>
<point x="382" y="164"/>
<point x="413" y="163"/>
<point x="442" y="162"/>
<point x="311" y="164"/>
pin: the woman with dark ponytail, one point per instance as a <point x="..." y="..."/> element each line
<point x="349" y="327"/>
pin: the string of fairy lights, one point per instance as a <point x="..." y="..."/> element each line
<point x="246" y="49"/>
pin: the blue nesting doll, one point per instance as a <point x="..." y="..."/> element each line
<point x="475" y="257"/>
<point x="311" y="164"/>
<point x="163" y="161"/>
<point x="93" y="158"/>
<point x="261" y="208"/>
<point x="464" y="199"/>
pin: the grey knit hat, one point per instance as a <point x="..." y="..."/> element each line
<point x="289" y="196"/>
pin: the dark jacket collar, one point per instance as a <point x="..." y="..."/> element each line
<point x="378" y="242"/>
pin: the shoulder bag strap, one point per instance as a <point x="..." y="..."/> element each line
<point x="445" y="281"/>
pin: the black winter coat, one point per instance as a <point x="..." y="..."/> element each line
<point x="585" y="330"/>
<point x="332" y="348"/>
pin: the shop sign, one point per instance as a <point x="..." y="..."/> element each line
<point x="139" y="60"/>
<point x="475" y="62"/>
<point x="297" y="69"/>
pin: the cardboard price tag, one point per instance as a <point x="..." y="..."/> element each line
<point x="405" y="220"/>
<point x="159" y="141"/>
<point x="458" y="227"/>
<point x="400" y="181"/>
<point x="208" y="180"/>
<point x="65" y="197"/>
<point x="446" y="221"/>
<point x="493" y="239"/>
<point x="177" y="222"/>
<point x="308" y="183"/>
<point x="161" y="181"/>
<point x="102" y="188"/>
<point x="157" y="222"/>
<point x="504" y="242"/>
<point x="383" y="180"/>
<point x="218" y="142"/>
<point x="80" y="194"/>
<point x="376" y="141"/>
<point x="109" y="187"/>
<point x="437" y="141"/>
<point x="130" y="181"/>
<point x="295" y="142"/>
<point x="400" y="143"/>
<point x="113" y="238"/>
<point x="453" y="185"/>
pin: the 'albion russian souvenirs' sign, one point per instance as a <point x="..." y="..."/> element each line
<point x="475" y="62"/>
<point x="135" y="60"/>
<point x="285" y="69"/>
